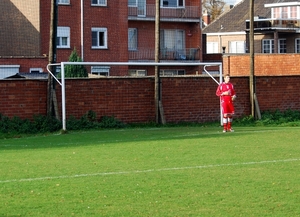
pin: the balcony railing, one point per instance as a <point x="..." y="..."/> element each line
<point x="188" y="12"/>
<point x="274" y="23"/>
<point x="189" y="54"/>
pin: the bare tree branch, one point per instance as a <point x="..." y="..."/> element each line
<point x="213" y="7"/>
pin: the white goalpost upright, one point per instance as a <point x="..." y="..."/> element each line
<point x="63" y="64"/>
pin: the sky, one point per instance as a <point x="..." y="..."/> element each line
<point x="232" y="2"/>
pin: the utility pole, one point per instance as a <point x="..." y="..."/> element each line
<point x="251" y="77"/>
<point x="157" y="53"/>
<point x="52" y="55"/>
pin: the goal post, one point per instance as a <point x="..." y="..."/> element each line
<point x="61" y="80"/>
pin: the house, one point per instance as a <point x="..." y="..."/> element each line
<point x="100" y="31"/>
<point x="276" y="28"/>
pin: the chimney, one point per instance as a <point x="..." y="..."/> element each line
<point x="227" y="7"/>
<point x="206" y="18"/>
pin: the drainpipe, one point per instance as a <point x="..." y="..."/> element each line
<point x="220" y="39"/>
<point x="81" y="26"/>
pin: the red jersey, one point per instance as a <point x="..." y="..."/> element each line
<point x="226" y="100"/>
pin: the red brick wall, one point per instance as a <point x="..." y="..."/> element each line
<point x="280" y="92"/>
<point x="26" y="63"/>
<point x="265" y="64"/>
<point x="23" y="98"/>
<point x="132" y="99"/>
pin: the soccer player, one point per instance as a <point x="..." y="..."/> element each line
<point x="227" y="94"/>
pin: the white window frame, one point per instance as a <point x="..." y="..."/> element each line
<point x="282" y="45"/>
<point x="63" y="2"/>
<point x="297" y="45"/>
<point x="212" y="47"/>
<point x="8" y="70"/>
<point x="132" y="39"/>
<point x="137" y="72"/>
<point x="35" y="70"/>
<point x="237" y="47"/>
<point x="174" y="3"/>
<point x="278" y="13"/>
<point x="171" y="72"/>
<point x="100" y="70"/>
<point x="98" y="44"/>
<point x="63" y="37"/>
<point x="99" y="2"/>
<point x="270" y="45"/>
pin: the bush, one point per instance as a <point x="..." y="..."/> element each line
<point x="276" y="117"/>
<point x="12" y="127"/>
<point x="89" y="121"/>
<point x="110" y="122"/>
<point x="39" y="124"/>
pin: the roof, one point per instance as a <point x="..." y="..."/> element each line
<point x="28" y="76"/>
<point x="234" y="20"/>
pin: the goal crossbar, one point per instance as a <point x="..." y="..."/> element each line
<point x="63" y="64"/>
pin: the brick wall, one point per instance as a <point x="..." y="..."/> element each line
<point x="23" y="98"/>
<point x="26" y="63"/>
<point x="265" y="64"/>
<point x="132" y="99"/>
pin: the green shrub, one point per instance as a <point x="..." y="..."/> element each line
<point x="89" y="121"/>
<point x="16" y="126"/>
<point x="276" y="117"/>
<point x="110" y="122"/>
<point x="39" y="124"/>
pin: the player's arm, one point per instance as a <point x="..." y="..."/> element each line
<point x="219" y="91"/>
<point x="233" y="95"/>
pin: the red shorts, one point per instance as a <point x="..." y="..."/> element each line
<point x="227" y="107"/>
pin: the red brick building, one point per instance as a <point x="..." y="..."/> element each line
<point x="100" y="31"/>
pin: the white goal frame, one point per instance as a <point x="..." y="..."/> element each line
<point x="63" y="64"/>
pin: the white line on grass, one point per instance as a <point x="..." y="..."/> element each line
<point x="145" y="171"/>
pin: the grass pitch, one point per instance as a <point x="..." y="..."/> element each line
<point x="179" y="171"/>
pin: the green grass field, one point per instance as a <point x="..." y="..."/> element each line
<point x="169" y="171"/>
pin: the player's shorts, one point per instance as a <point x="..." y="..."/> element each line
<point x="227" y="108"/>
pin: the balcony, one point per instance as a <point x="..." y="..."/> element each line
<point x="180" y="14"/>
<point x="189" y="54"/>
<point x="270" y="24"/>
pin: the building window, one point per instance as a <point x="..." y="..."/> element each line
<point x="8" y="70"/>
<point x="132" y="39"/>
<point x="172" y="3"/>
<point x="236" y="47"/>
<point x="268" y="46"/>
<point x="173" y="40"/>
<point x="285" y="12"/>
<point x="100" y="70"/>
<point x="297" y="45"/>
<point x="64" y="2"/>
<point x="132" y="3"/>
<point x="137" y="72"/>
<point x="99" y="38"/>
<point x="99" y="3"/>
<point x="282" y="45"/>
<point x="63" y="37"/>
<point x="35" y="70"/>
<point x="172" y="72"/>
<point x="212" y="47"/>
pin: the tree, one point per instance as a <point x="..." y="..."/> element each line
<point x="213" y="7"/>
<point x="73" y="71"/>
